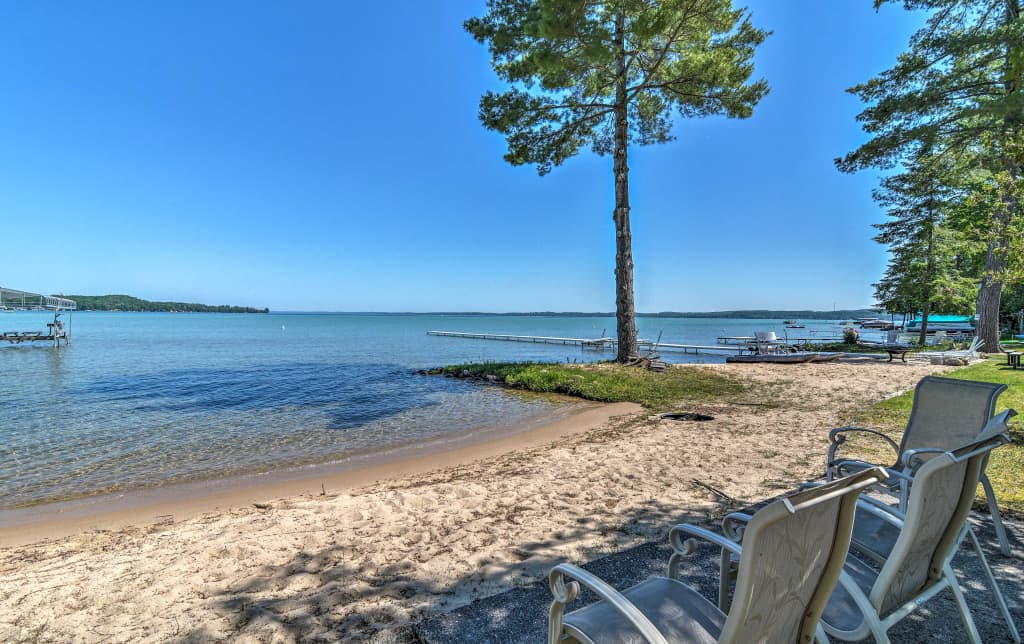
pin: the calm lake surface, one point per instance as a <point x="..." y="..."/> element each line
<point x="146" y="399"/>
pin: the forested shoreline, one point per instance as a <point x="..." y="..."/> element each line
<point x="134" y="304"/>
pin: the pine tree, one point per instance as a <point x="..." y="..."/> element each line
<point x="607" y="74"/>
<point x="958" y="83"/>
<point x="927" y="269"/>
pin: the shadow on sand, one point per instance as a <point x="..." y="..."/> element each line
<point x="316" y="596"/>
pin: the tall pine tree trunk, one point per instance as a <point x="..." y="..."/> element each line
<point x="991" y="288"/>
<point x="624" y="307"/>
<point x="989" y="294"/>
<point x="929" y="272"/>
<point x="925" y="312"/>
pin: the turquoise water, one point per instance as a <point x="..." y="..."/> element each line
<point x="145" y="399"/>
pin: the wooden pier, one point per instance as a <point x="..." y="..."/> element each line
<point x="603" y="342"/>
<point x="56" y="331"/>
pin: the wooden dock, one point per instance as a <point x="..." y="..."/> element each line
<point x="594" y="343"/>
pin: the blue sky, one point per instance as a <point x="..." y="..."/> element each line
<point x="326" y="155"/>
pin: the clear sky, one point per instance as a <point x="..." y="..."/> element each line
<point x="326" y="155"/>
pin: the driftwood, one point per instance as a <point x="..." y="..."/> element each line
<point x="652" y="362"/>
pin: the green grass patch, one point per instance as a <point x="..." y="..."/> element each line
<point x="1005" y="468"/>
<point x="609" y="382"/>
<point x="867" y="348"/>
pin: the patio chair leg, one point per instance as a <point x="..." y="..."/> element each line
<point x="726" y="575"/>
<point x="1000" y="600"/>
<point x="961" y="604"/>
<point x="997" y="519"/>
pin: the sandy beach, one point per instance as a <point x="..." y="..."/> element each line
<point x="409" y="539"/>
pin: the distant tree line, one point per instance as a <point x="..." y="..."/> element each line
<point x="129" y="303"/>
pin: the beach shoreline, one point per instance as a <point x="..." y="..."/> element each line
<point x="406" y="546"/>
<point x="179" y="501"/>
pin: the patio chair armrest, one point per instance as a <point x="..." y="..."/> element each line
<point x="882" y="510"/>
<point x="733" y="525"/>
<point x="566" y="592"/>
<point x="683" y="543"/>
<point x="843" y="466"/>
<point x="838" y="436"/>
<point x="910" y="461"/>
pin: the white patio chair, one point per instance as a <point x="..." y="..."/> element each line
<point x="971" y="352"/>
<point x="911" y="552"/>
<point x="946" y="414"/>
<point x="788" y="566"/>
<point x="914" y="549"/>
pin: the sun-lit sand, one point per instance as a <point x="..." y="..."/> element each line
<point x="480" y="521"/>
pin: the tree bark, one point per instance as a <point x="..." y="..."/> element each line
<point x="925" y="312"/>
<point x="929" y="275"/>
<point x="624" y="307"/>
<point x="989" y="293"/>
<point x="991" y="288"/>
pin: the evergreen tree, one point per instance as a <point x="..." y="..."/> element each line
<point x="607" y="74"/>
<point x="957" y="84"/>
<point x="927" y="266"/>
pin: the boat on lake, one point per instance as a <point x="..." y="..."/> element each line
<point x="875" y="323"/>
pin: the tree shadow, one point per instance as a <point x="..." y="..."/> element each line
<point x="323" y="596"/>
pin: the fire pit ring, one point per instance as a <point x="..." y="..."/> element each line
<point x="685" y="415"/>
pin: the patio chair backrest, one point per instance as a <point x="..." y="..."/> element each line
<point x="940" y="500"/>
<point x="948" y="413"/>
<point x="793" y="552"/>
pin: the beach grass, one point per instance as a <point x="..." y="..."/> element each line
<point x="609" y="382"/>
<point x="1006" y="466"/>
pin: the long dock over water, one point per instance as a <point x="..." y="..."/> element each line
<point x="603" y="342"/>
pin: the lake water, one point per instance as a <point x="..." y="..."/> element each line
<point x="146" y="399"/>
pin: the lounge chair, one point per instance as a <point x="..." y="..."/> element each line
<point x="913" y="549"/>
<point x="792" y="555"/>
<point x="971" y="352"/>
<point x="946" y="414"/>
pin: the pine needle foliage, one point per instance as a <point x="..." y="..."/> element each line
<point x="958" y="85"/>
<point x="559" y="57"/>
